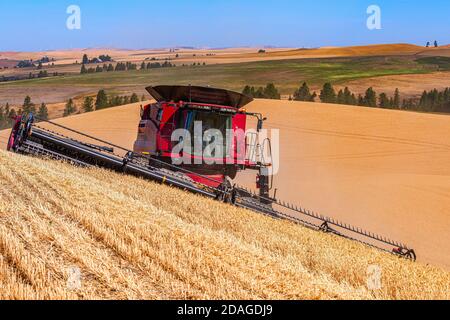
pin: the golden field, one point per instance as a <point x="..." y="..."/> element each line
<point x="226" y="55"/>
<point x="133" y="239"/>
<point x="69" y="60"/>
<point x="383" y="170"/>
<point x="397" y="68"/>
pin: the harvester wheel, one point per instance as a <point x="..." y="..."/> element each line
<point x="410" y="254"/>
<point x="13" y="135"/>
<point x="10" y="141"/>
<point x="405" y="253"/>
<point x="225" y="193"/>
<point x="325" y="227"/>
<point x="22" y="130"/>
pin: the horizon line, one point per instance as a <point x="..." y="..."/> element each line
<point x="187" y="47"/>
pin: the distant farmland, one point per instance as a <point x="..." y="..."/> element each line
<point x="286" y="74"/>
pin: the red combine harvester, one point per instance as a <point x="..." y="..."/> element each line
<point x="203" y="113"/>
<point x="181" y="107"/>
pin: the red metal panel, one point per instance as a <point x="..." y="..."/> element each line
<point x="239" y="124"/>
<point x="166" y="117"/>
<point x="167" y="126"/>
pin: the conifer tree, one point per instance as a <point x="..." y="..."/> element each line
<point x="370" y="98"/>
<point x="102" y="100"/>
<point x="70" y="108"/>
<point x="134" y="98"/>
<point x="271" y="92"/>
<point x="383" y="101"/>
<point x="327" y="94"/>
<point x="43" y="112"/>
<point x="88" y="104"/>
<point x="304" y="94"/>
<point x="85" y="59"/>
<point x="396" y="100"/>
<point x="28" y="106"/>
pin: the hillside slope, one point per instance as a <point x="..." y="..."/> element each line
<point x="132" y="239"/>
<point x="386" y="171"/>
<point x="326" y="52"/>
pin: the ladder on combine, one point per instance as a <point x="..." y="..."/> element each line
<point x="28" y="137"/>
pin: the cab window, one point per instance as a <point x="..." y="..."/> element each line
<point x="209" y="120"/>
<point x="159" y="115"/>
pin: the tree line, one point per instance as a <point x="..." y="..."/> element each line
<point x="156" y="65"/>
<point x="435" y="44"/>
<point x="125" y="66"/>
<point x="101" y="58"/>
<point x="267" y="92"/>
<point x="328" y="94"/>
<point x="41" y="74"/>
<point x="194" y="64"/>
<point x="8" y="113"/>
<point x="101" y="101"/>
<point x="430" y="101"/>
<point x="31" y="63"/>
<point x="433" y="101"/>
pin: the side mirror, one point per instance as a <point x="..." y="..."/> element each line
<point x="260" y="124"/>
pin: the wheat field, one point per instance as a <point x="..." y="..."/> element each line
<point x="126" y="238"/>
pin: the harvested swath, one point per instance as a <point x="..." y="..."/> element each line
<point x="133" y="239"/>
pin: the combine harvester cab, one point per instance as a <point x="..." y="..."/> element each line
<point x="207" y="174"/>
<point x="194" y="111"/>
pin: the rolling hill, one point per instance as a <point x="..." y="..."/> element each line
<point x="384" y="170"/>
<point x="73" y="233"/>
<point x="327" y="52"/>
<point x="227" y="55"/>
<point x="231" y="68"/>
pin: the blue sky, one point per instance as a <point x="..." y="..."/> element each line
<point x="41" y="24"/>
